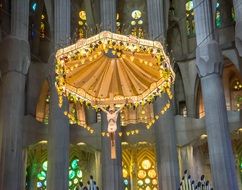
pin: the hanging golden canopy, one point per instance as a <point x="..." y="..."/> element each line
<point x="110" y="69"/>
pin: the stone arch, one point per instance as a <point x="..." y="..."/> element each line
<point x="180" y="99"/>
<point x="200" y="110"/>
<point x="231" y="75"/>
<point x="42" y="108"/>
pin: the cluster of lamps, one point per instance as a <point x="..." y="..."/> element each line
<point x="157" y="116"/>
<point x="73" y="120"/>
<point x="127" y="133"/>
<point x="238" y="87"/>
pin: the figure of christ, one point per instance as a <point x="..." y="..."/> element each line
<point x="112" y="117"/>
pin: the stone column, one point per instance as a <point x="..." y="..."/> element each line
<point x="166" y="150"/>
<point x="238" y="26"/>
<point x="20" y="18"/>
<point x="209" y="62"/>
<point x="111" y="169"/>
<point x="156" y="21"/>
<point x="165" y="134"/>
<point x="14" y="64"/>
<point x="91" y="115"/>
<point x="108" y="15"/>
<point x="58" y="128"/>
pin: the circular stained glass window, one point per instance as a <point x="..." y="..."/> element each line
<point x="133" y="23"/>
<point x="74" y="164"/>
<point x="189" y="5"/>
<point x="79" y="174"/>
<point x="71" y="174"/>
<point x="140" y="22"/>
<point x="126" y="182"/>
<point x="75" y="181"/>
<point x="82" y="15"/>
<point x="45" y="165"/>
<point x="140" y="182"/>
<point x="125" y="173"/>
<point x="147" y="180"/>
<point x="152" y="173"/>
<point x="39" y="184"/>
<point x="154" y="182"/>
<point x="40" y="177"/>
<point x="136" y="14"/>
<point x="141" y="174"/>
<point x="146" y="164"/>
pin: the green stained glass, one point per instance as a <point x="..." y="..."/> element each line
<point x="75" y="181"/>
<point x="74" y="164"/>
<point x="75" y="175"/>
<point x="233" y="14"/>
<point x="190" y="24"/>
<point x="70" y="183"/>
<point x="79" y="173"/>
<point x="189" y="5"/>
<point x="40" y="177"/>
<point x="218" y="16"/>
<point x="44" y="166"/>
<point x="71" y="174"/>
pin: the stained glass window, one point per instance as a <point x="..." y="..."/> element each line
<point x="82" y="24"/>
<point x="237" y="95"/>
<point x="75" y="175"/>
<point x="34" y="6"/>
<point x="126" y="178"/>
<point x="190" y="23"/>
<point x="118" y="23"/>
<point x="137" y="24"/>
<point x="218" y="19"/>
<point x="233" y="14"/>
<point x="147" y="176"/>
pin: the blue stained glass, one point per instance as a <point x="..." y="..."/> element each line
<point x="34" y="6"/>
<point x="126" y="182"/>
<point x="217" y="5"/>
<point x="39" y="184"/>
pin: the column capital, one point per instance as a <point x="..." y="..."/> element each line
<point x="14" y="55"/>
<point x="209" y="59"/>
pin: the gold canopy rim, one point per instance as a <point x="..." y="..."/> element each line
<point x="139" y="71"/>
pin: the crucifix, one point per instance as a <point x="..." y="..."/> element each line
<point x="112" y="117"/>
